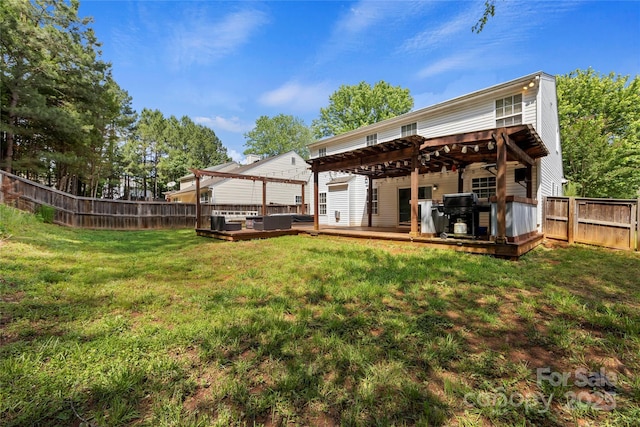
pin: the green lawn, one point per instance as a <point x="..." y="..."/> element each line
<point x="166" y="328"/>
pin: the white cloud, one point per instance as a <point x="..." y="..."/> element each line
<point x="197" y="40"/>
<point x="233" y="124"/>
<point x="297" y="96"/>
<point x="366" y="22"/>
<point x="432" y="38"/>
<point x="235" y="156"/>
<point x="450" y="63"/>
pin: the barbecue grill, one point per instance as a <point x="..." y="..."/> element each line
<point x="462" y="208"/>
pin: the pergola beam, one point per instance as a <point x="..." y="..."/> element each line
<point x="367" y="160"/>
<point x="199" y="172"/>
<point x="228" y="175"/>
<point x="516" y="151"/>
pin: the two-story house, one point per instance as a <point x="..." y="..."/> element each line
<point x="501" y="143"/>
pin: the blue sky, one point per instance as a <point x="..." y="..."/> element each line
<point x="224" y="64"/>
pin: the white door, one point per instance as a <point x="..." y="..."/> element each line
<point x="338" y="205"/>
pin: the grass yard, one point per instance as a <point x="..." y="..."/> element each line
<point x="165" y="328"/>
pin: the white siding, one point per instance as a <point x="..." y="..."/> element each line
<point x="236" y="191"/>
<point x="551" y="172"/>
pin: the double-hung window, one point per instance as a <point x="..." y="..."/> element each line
<point x="484" y="187"/>
<point x="374" y="201"/>
<point x="509" y="111"/>
<point x="322" y="204"/>
<point x="408" y="130"/>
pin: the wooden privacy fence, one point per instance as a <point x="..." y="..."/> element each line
<point x="611" y="223"/>
<point x="87" y="212"/>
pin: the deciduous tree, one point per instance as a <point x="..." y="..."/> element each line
<point x="600" y="129"/>
<point x="277" y="135"/>
<point x="351" y="107"/>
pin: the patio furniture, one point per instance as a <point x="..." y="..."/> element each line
<point x="218" y="223"/>
<point x="272" y="222"/>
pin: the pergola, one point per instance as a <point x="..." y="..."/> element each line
<point x="264" y="179"/>
<point x="415" y="155"/>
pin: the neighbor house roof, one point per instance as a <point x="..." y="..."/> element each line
<point x="243" y="170"/>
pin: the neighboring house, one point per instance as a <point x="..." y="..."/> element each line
<point x="230" y="191"/>
<point x="530" y="100"/>
<point x="187" y="191"/>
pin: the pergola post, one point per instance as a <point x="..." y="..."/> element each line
<point x="264" y="198"/>
<point x="370" y="203"/>
<point x="316" y="202"/>
<point x="197" y="200"/>
<point x="415" y="174"/>
<point x="501" y="187"/>
<point x="303" y="209"/>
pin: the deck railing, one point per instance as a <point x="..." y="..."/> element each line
<point x="85" y="212"/>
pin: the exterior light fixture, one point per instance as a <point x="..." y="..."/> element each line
<point x="435" y="187"/>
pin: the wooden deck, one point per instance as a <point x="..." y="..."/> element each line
<point x="246" y="234"/>
<point x="476" y="246"/>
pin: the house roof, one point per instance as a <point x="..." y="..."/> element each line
<point x="415" y="115"/>
<point x="341" y="180"/>
<point x="394" y="158"/>
<point x="211" y="181"/>
<point x="210" y="168"/>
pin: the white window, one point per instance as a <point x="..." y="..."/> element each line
<point x="411" y="129"/>
<point x="298" y="200"/>
<point x="484" y="187"/>
<point x="374" y="201"/>
<point x="372" y="139"/>
<point x="322" y="204"/>
<point x="204" y="197"/>
<point x="509" y="111"/>
<point x="322" y="152"/>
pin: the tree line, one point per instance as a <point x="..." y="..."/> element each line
<point x="64" y="120"/>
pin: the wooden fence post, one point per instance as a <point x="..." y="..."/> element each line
<point x="1" y="187"/>
<point x="637" y="224"/>
<point x="571" y="220"/>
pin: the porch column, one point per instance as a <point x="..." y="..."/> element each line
<point x="370" y="202"/>
<point x="415" y="174"/>
<point x="264" y="198"/>
<point x="316" y="203"/>
<point x="197" y="200"/>
<point x="460" y="180"/>
<point x="501" y="188"/>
